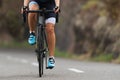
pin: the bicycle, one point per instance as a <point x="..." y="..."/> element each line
<point x="41" y="41"/>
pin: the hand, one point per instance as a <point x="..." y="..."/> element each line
<point x="23" y="12"/>
<point x="57" y="9"/>
<point x="23" y="9"/>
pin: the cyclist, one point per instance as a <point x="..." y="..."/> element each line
<point x="50" y="23"/>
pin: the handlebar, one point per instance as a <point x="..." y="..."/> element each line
<point x="40" y="11"/>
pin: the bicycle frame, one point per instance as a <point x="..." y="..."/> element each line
<point x="41" y="25"/>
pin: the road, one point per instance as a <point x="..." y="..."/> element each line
<point x="22" y="65"/>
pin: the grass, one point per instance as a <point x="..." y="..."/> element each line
<point x="117" y="61"/>
<point x="15" y="44"/>
<point x="63" y="54"/>
<point x="103" y="58"/>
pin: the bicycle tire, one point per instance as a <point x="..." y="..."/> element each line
<point x="40" y="46"/>
<point x="40" y="65"/>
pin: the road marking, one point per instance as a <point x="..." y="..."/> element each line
<point x="35" y="64"/>
<point x="13" y="59"/>
<point x="24" y="61"/>
<point x="75" y="70"/>
<point x="17" y="59"/>
<point x="9" y="57"/>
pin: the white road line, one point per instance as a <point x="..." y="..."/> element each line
<point x="35" y="64"/>
<point x="75" y="70"/>
<point x="24" y="61"/>
<point x="13" y="59"/>
<point x="9" y="57"/>
<point x="17" y="59"/>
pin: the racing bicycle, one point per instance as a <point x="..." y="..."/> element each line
<point x="41" y="40"/>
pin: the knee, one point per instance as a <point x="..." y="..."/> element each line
<point x="50" y="28"/>
<point x="33" y="7"/>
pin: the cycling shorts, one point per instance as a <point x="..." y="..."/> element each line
<point x="49" y="5"/>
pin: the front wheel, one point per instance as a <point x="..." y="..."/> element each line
<point x="40" y="61"/>
<point x="40" y="47"/>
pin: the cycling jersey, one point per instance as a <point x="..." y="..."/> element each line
<point x="43" y="1"/>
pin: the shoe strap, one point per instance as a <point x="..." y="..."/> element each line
<point x="51" y="60"/>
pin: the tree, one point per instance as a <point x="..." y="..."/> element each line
<point x="1" y="3"/>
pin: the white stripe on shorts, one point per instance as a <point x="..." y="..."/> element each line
<point x="50" y="20"/>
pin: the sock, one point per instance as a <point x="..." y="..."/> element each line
<point x="32" y="31"/>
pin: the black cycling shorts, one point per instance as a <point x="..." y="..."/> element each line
<point x="49" y="5"/>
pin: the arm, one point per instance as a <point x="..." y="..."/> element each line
<point x="57" y="2"/>
<point x="25" y="5"/>
<point x="26" y="2"/>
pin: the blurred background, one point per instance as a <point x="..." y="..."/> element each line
<point x="87" y="29"/>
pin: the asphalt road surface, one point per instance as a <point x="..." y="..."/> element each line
<point x="22" y="65"/>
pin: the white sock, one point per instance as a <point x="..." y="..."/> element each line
<point x="32" y="31"/>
